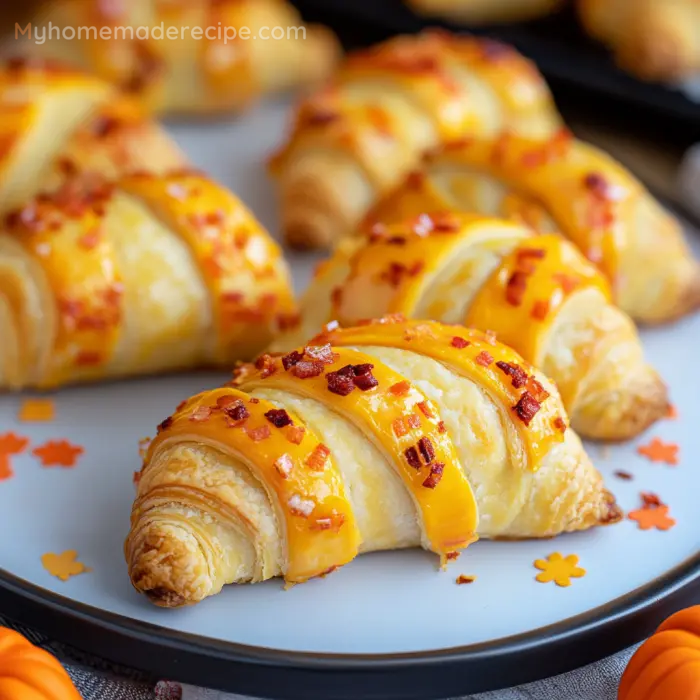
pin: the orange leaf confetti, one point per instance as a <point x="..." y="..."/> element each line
<point x="659" y="451"/>
<point x="37" y="411"/>
<point x="63" y="565"/>
<point x="559" y="569"/>
<point x="10" y="444"/>
<point x="648" y="518"/>
<point x="58" y="453"/>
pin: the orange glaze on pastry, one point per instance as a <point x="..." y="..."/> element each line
<point x="404" y="424"/>
<point x="291" y="464"/>
<point x="539" y="275"/>
<point x="474" y="355"/>
<point x="227" y="243"/>
<point x="64" y="236"/>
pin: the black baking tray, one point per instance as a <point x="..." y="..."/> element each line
<point x="582" y="74"/>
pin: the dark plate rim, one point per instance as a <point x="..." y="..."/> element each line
<point x="287" y="675"/>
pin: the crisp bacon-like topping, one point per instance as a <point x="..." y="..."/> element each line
<point x="322" y="117"/>
<point x="165" y="424"/>
<point x="459" y="343"/>
<point x="341" y="381"/>
<point x="201" y="413"/>
<point x="322" y="353"/>
<point x="400" y="388"/>
<point x="415" y="179"/>
<point x="235" y="410"/>
<point x="295" y="434"/>
<point x="301" y="506"/>
<point x="399" y="427"/>
<point x="433" y="479"/>
<point x="316" y="461"/>
<point x="540" y="310"/>
<point x="516" y="287"/>
<point x="567" y="282"/>
<point x="539" y="393"/>
<point x="651" y="500"/>
<point x="278" y="417"/>
<point x="517" y="375"/>
<point x="441" y="427"/>
<point x="284" y="465"/>
<point x="266" y="364"/>
<point x="526" y="408"/>
<point x="412" y="458"/>
<point x="396" y="272"/>
<point x="364" y="379"/>
<point x="452" y="556"/>
<point x="259" y="434"/>
<point x="414" y="420"/>
<point x="427" y="450"/>
<point x="625" y="476"/>
<point x="305" y="369"/>
<point x="559" y="424"/>
<point x="294" y="357"/>
<point x="253" y="400"/>
<point x="597" y="184"/>
<point x="425" y="409"/>
<point x="483" y="358"/>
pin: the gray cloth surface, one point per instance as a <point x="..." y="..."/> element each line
<point x="99" y="680"/>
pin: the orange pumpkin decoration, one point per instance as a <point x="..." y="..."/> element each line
<point x="30" y="673"/>
<point x="667" y="665"/>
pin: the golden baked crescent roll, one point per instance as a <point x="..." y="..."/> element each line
<point x="149" y="275"/>
<point x="485" y="11"/>
<point x="194" y="56"/>
<point x="393" y="434"/>
<point x="653" y="39"/>
<point x="55" y="122"/>
<point x="538" y="294"/>
<point x="567" y="185"/>
<point x="386" y="105"/>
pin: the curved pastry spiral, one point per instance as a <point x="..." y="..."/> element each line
<point x="651" y="39"/>
<point x="55" y="122"/>
<point x="567" y="185"/>
<point x="179" y="71"/>
<point x="485" y="11"/>
<point x="357" y="138"/>
<point x="393" y="434"/>
<point x="536" y="293"/>
<point x="153" y="274"/>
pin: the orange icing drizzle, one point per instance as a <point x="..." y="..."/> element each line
<point x="586" y="192"/>
<point x="81" y="269"/>
<point x="524" y="321"/>
<point x="227" y="243"/>
<point x="436" y="340"/>
<point x="328" y="537"/>
<point x="448" y="511"/>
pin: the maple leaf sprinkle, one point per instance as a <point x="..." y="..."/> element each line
<point x="659" y="451"/>
<point x="55" y="453"/>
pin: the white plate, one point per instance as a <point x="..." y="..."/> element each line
<point x="381" y="604"/>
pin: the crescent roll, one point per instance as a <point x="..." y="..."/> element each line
<point x="358" y="137"/>
<point x="198" y="56"/>
<point x="389" y="435"/>
<point x="477" y="12"/>
<point x="567" y="185"/>
<point x="149" y="275"/>
<point x="653" y="39"/>
<point x="537" y="294"/>
<point x="55" y="123"/>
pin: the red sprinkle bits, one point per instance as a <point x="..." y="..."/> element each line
<point x="435" y="475"/>
<point x="400" y="388"/>
<point x="316" y="461"/>
<point x="518" y="376"/>
<point x="484" y="359"/>
<point x="412" y="458"/>
<point x="526" y="408"/>
<point x="459" y="343"/>
<point x="278" y="417"/>
<point x="259" y="434"/>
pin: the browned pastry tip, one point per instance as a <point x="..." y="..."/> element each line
<point x="626" y="414"/>
<point x="613" y="513"/>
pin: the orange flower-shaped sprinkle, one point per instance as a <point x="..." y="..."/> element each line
<point x="659" y="451"/>
<point x="559" y="569"/>
<point x="63" y="565"/>
<point x="652" y="517"/>
<point x="58" y="453"/>
<point x="10" y="444"/>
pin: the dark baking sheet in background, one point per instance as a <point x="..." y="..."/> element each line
<point x="582" y="75"/>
